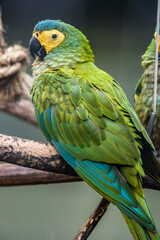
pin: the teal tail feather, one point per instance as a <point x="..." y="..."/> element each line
<point x="108" y="181"/>
<point x="139" y="232"/>
<point x="138" y="218"/>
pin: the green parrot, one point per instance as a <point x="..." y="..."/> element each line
<point x="144" y="94"/>
<point x="87" y="117"/>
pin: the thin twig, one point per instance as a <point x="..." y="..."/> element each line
<point x="93" y="220"/>
<point x="153" y="115"/>
<point x="156" y="59"/>
<point x="98" y="213"/>
<point x="13" y="175"/>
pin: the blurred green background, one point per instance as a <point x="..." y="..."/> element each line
<point x="119" y="32"/>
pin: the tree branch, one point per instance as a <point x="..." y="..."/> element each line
<point x="149" y="183"/>
<point x="32" y="154"/>
<point x="14" y="84"/>
<point x="93" y="220"/>
<point x="13" y="175"/>
<point x="42" y="156"/>
<point x="22" y="109"/>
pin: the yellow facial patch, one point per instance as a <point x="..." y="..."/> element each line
<point x="49" y="38"/>
<point x="155" y="35"/>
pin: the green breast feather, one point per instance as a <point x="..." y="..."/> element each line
<point x="93" y="113"/>
<point x="86" y="115"/>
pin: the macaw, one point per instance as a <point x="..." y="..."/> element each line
<point x="87" y="117"/>
<point x="144" y="93"/>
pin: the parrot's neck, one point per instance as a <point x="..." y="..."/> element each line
<point x="149" y="55"/>
<point x="54" y="61"/>
<point x="149" y="64"/>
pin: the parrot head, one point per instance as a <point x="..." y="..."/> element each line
<point x="60" y="41"/>
<point x="155" y="37"/>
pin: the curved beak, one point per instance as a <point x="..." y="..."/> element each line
<point x="36" y="48"/>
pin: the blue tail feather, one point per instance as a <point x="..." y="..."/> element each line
<point x="105" y="179"/>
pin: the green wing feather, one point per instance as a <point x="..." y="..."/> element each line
<point x="89" y="117"/>
<point x="86" y="115"/>
<point x="94" y="114"/>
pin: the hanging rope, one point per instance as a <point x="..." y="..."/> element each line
<point x="153" y="115"/>
<point x="14" y="82"/>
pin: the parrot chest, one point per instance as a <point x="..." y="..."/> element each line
<point x="144" y="103"/>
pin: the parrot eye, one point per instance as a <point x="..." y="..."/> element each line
<point x="37" y="34"/>
<point x="54" y="36"/>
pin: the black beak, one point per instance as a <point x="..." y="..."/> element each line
<point x="35" y="48"/>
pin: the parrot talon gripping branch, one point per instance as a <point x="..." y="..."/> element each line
<point x="84" y="113"/>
